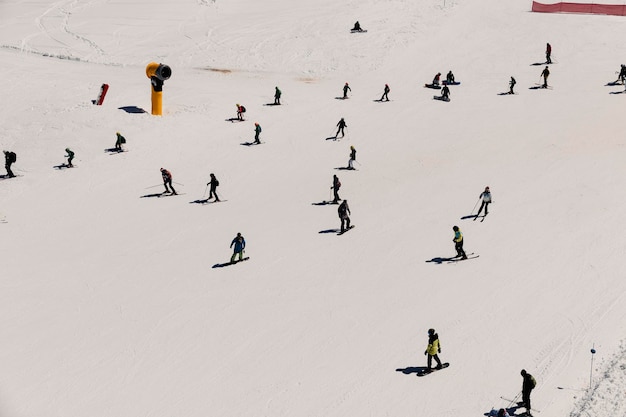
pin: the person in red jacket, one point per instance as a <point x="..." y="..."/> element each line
<point x="167" y="180"/>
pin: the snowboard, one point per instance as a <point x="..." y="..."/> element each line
<point x="441" y="98"/>
<point x="433" y="86"/>
<point x="60" y="167"/>
<point x="6" y="177"/>
<point x="358" y="31"/>
<point x="349" y="228"/>
<point x="230" y="263"/>
<point x="427" y="372"/>
<point x="251" y="143"/>
<point x="445" y="82"/>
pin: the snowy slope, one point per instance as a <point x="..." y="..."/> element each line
<point x="110" y="303"/>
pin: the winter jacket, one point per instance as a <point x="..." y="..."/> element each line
<point x="486" y="196"/>
<point x="239" y="242"/>
<point x="433" y="345"/>
<point x="458" y="236"/>
<point x="343" y="210"/>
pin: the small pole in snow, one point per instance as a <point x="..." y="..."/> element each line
<point x="593" y="351"/>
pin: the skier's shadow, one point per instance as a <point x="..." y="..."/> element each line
<point x="536" y="64"/>
<point x="470" y="216"/>
<point x="152" y="195"/>
<point x="199" y="201"/>
<point x="612" y="84"/>
<point x="331" y="138"/>
<point x="617" y="92"/>
<point x="504" y="94"/>
<point x="323" y="203"/>
<point x="536" y="87"/>
<point x="440" y="260"/>
<point x="330" y="231"/>
<point x="412" y="370"/>
<point x="341" y="98"/>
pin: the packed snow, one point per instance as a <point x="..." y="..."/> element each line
<point x="111" y="300"/>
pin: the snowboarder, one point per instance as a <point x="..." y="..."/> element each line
<point x="257" y="132"/>
<point x="341" y="124"/>
<point x="167" y="180"/>
<point x="277" y="95"/>
<point x="445" y="93"/>
<point x="436" y="80"/>
<point x="240" y="111"/>
<point x="214" y="183"/>
<point x="622" y="74"/>
<point x="352" y="157"/>
<point x="344" y="212"/>
<point x="385" y="96"/>
<point x="458" y="243"/>
<point x="119" y="142"/>
<point x="450" y="77"/>
<point x="548" y="53"/>
<point x="335" y="187"/>
<point x="545" y="74"/>
<point x="511" y="85"/>
<point x="9" y="158"/>
<point x="70" y="157"/>
<point x="357" y="27"/>
<point x="433" y="348"/>
<point x="240" y="244"/>
<point x="486" y="196"/>
<point x="528" y="384"/>
<point x="346" y="88"/>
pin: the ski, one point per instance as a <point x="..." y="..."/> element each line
<point x="519" y="404"/>
<point x="445" y="82"/>
<point x="433" y="370"/>
<point x="459" y="259"/>
<point x="358" y="31"/>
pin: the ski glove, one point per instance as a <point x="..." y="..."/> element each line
<point x="425" y="352"/>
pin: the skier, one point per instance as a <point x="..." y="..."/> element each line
<point x="9" y="158"/>
<point x="277" y="95"/>
<point x="214" y="183"/>
<point x="545" y="74"/>
<point x="445" y="93"/>
<point x="511" y="85"/>
<point x="341" y="124"/>
<point x="436" y="79"/>
<point x="486" y="196"/>
<point x="503" y="413"/>
<point x="548" y="53"/>
<point x="240" y="245"/>
<point x="70" y="157"/>
<point x="385" y="93"/>
<point x="119" y="141"/>
<point x="346" y="88"/>
<point x="257" y="132"/>
<point x="167" y="180"/>
<point x="433" y="348"/>
<point x="344" y="212"/>
<point x="450" y="77"/>
<point x="352" y="157"/>
<point x="622" y="74"/>
<point x="458" y="243"/>
<point x="240" y="111"/>
<point x="357" y="27"/>
<point x="335" y="187"/>
<point x="528" y="384"/>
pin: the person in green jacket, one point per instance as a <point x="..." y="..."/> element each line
<point x="257" y="132"/>
<point x="119" y="142"/>
<point x="458" y="242"/>
<point x="277" y="95"/>
<point x="433" y="349"/>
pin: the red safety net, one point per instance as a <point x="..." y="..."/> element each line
<point x="590" y="8"/>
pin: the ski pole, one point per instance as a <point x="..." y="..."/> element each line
<point x="593" y="351"/>
<point x="178" y="183"/>
<point x="152" y="186"/>
<point x="205" y="188"/>
<point x="472" y="212"/>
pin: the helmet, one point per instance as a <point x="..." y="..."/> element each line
<point x="431" y="331"/>
<point x="523" y="373"/>
<point x="351" y="147"/>
<point x="237" y="104"/>
<point x="455" y="228"/>
<point x="487" y="187"/>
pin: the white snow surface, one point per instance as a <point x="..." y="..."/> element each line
<point x="109" y="302"/>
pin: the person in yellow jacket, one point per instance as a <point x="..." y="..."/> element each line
<point x="433" y="349"/>
<point x="458" y="242"/>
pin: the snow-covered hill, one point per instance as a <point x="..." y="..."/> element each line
<point x="110" y="304"/>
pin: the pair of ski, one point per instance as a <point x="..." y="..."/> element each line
<point x="458" y="258"/>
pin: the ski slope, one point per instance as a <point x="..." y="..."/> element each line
<point x="109" y="302"/>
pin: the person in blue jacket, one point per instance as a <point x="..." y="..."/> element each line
<point x="240" y="244"/>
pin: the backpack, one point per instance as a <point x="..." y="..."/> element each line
<point x="12" y="157"/>
<point x="123" y="140"/>
<point x="533" y="381"/>
<point x="243" y="109"/>
<point x="217" y="183"/>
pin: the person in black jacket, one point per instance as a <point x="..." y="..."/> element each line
<point x="344" y="212"/>
<point x="352" y="157"/>
<point x="214" y="183"/>
<point x="340" y="125"/>
<point x="528" y="385"/>
<point x="386" y="91"/>
<point x="335" y="188"/>
<point x="9" y="159"/>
